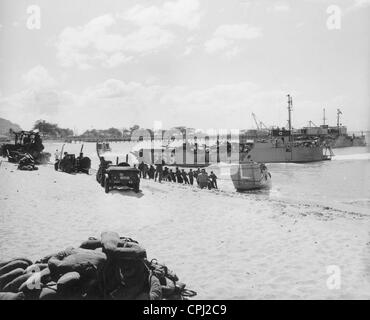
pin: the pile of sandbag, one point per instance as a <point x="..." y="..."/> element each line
<point x="112" y="267"/>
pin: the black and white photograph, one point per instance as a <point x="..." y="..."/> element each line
<point x="184" y="150"/>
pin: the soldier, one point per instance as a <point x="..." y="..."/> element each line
<point x="159" y="172"/>
<point x="213" y="179"/>
<point x="151" y="172"/>
<point x="166" y="174"/>
<point x="203" y="179"/>
<point x="56" y="155"/>
<point x="184" y="176"/>
<point x="191" y="176"/>
<point x="145" y="170"/>
<point x="179" y="175"/>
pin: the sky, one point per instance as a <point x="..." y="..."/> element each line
<point x="200" y="63"/>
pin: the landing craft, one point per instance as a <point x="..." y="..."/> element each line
<point x="333" y="136"/>
<point x="250" y="176"/>
<point x="269" y="146"/>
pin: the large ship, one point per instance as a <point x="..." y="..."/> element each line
<point x="277" y="145"/>
<point x="332" y="136"/>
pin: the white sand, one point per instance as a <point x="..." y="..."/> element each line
<point x="223" y="245"/>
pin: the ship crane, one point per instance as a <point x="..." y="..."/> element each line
<point x="255" y="121"/>
<point x="259" y="124"/>
<point x="310" y="123"/>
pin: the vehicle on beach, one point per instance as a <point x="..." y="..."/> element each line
<point x="71" y="164"/>
<point x="119" y="176"/>
<point x="250" y="176"/>
<point x="102" y="147"/>
<point x="25" y="142"/>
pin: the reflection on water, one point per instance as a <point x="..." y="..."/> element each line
<point x="343" y="181"/>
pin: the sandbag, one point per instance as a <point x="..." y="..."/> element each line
<point x="130" y="251"/>
<point x="11" y="296"/>
<point x="3" y="263"/>
<point x="49" y="293"/>
<point x="15" y="285"/>
<point x="68" y="282"/>
<point x="91" y="244"/>
<point x="60" y="255"/>
<point x="109" y="241"/>
<point x="14" y="264"/>
<point x="85" y="262"/>
<point x="9" y="277"/>
<point x="37" y="267"/>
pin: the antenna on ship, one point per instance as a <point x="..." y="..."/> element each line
<point x="338" y="117"/>
<point x="324" y="118"/>
<point x="290" y="107"/>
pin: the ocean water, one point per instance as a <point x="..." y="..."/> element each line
<point x="342" y="183"/>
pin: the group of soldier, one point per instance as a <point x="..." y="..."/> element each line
<point x="162" y="173"/>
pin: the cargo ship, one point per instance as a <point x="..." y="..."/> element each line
<point x="277" y="145"/>
<point x="332" y="136"/>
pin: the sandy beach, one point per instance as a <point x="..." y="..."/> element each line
<point x="224" y="245"/>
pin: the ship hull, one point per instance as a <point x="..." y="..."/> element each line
<point x="260" y="152"/>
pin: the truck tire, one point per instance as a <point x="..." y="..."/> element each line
<point x="137" y="189"/>
<point x="106" y="186"/>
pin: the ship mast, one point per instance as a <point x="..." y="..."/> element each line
<point x="324" y="118"/>
<point x="338" y="117"/>
<point x="290" y="107"/>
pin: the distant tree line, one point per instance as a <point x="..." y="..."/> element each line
<point x="51" y="130"/>
<point x="111" y="133"/>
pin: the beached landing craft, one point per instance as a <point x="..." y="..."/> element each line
<point x="250" y="176"/>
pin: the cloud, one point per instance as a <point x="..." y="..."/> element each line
<point x="40" y="98"/>
<point x="118" y="103"/>
<point x="183" y="13"/>
<point x="112" y="40"/>
<point x="281" y="7"/>
<point x="38" y="77"/>
<point x="227" y="37"/>
<point x="361" y="3"/>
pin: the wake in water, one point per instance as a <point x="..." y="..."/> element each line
<point x="358" y="156"/>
